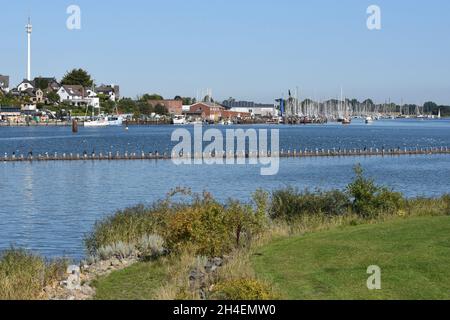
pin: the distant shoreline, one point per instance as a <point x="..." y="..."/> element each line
<point x="154" y="123"/>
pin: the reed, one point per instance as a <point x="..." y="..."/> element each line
<point x="23" y="275"/>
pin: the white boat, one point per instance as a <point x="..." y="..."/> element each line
<point x="179" y="120"/>
<point x="102" y="120"/>
<point x="226" y="122"/>
<point x="99" y="122"/>
<point x="369" y="120"/>
<point x="115" y="120"/>
<point x="194" y="122"/>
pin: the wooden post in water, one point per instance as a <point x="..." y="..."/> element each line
<point x="74" y="126"/>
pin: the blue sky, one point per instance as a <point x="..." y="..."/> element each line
<point x="248" y="49"/>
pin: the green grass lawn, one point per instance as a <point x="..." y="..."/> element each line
<point x="137" y="282"/>
<point x="413" y="254"/>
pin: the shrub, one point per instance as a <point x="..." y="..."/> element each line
<point x="289" y="203"/>
<point x="151" y="245"/>
<point x="244" y="222"/>
<point x="118" y="250"/>
<point x="212" y="229"/>
<point x="202" y="226"/>
<point x="24" y="275"/>
<point x="242" y="289"/>
<point x="128" y="226"/>
<point x="370" y="200"/>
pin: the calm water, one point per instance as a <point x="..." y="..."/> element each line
<point x="388" y="133"/>
<point x="48" y="207"/>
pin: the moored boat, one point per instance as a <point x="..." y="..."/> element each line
<point x="179" y="120"/>
<point x="115" y="120"/>
<point x="97" y="122"/>
<point x="346" y="121"/>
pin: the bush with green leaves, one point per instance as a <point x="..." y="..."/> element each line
<point x="211" y="228"/>
<point x="370" y="200"/>
<point x="289" y="203"/>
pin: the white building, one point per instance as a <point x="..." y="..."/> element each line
<point x="257" y="111"/>
<point x="25" y="85"/>
<point x="111" y="91"/>
<point x="77" y="96"/>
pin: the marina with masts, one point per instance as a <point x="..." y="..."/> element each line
<point x="310" y="111"/>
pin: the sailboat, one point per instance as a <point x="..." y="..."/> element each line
<point x="347" y="119"/>
<point x="439" y="114"/>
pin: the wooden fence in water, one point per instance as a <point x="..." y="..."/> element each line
<point x="291" y="153"/>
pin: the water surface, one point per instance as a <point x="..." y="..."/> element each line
<point x="49" y="207"/>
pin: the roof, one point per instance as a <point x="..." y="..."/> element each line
<point x="74" y="90"/>
<point x="4" y="81"/>
<point x="107" y="88"/>
<point x="30" y="92"/>
<point x="27" y="81"/>
<point x="209" y="104"/>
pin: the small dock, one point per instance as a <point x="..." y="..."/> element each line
<point x="290" y="153"/>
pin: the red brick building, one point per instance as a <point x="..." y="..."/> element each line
<point x="173" y="106"/>
<point x="214" y="112"/>
<point x="208" y="111"/>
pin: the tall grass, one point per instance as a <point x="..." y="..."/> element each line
<point x="23" y="275"/>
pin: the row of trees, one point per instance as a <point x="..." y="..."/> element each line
<point x="140" y="107"/>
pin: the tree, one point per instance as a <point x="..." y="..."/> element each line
<point x="7" y="99"/>
<point x="41" y="83"/>
<point x="160" y="109"/>
<point x="126" y="105"/>
<point x="430" y="107"/>
<point x="186" y="100"/>
<point x="354" y="102"/>
<point x="53" y="97"/>
<point x="147" y="97"/>
<point x="145" y="108"/>
<point x="78" y="77"/>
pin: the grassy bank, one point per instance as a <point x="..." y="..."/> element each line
<point x="138" y="282"/>
<point x="199" y="248"/>
<point x="413" y="254"/>
<point x="365" y="219"/>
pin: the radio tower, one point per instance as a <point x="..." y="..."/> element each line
<point x="28" y="29"/>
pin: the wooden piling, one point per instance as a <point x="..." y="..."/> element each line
<point x="74" y="126"/>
